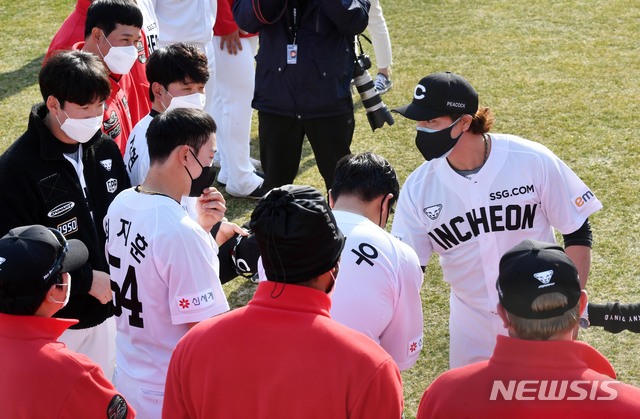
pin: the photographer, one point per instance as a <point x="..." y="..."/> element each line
<point x="304" y="68"/>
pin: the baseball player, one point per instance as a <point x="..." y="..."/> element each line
<point x="163" y="264"/>
<point x="478" y="195"/>
<point x="378" y="290"/>
<point x="235" y="51"/>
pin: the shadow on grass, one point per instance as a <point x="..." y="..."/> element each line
<point x="241" y="295"/>
<point x="13" y="82"/>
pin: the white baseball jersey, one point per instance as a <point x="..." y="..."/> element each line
<point x="150" y="25"/>
<point x="522" y="191"/>
<point x="137" y="161"/>
<point x="377" y="291"/>
<point x="164" y="275"/>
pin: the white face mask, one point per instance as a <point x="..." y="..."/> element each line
<point x="192" y="101"/>
<point x="80" y="130"/>
<point x="119" y="59"/>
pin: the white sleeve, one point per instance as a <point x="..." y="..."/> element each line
<point x="190" y="267"/>
<point x="565" y="199"/>
<point x="408" y="227"/>
<point x="402" y="338"/>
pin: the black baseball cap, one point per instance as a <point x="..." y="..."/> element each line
<point x="32" y="256"/>
<point x="440" y="94"/>
<point x="297" y="234"/>
<point x="531" y="269"/>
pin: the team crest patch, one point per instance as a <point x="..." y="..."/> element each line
<point x="112" y="185"/>
<point x="117" y="408"/>
<point x="197" y="301"/>
<point x="544" y="278"/>
<point x="107" y="164"/>
<point x="414" y="346"/>
<point x="433" y="211"/>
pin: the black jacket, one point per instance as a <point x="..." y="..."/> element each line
<point x="318" y="85"/>
<point x="39" y="186"/>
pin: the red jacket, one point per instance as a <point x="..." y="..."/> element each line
<point x="41" y="378"/>
<point x="281" y="356"/>
<point x="532" y="379"/>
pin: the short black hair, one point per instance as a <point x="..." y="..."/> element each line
<point x="74" y="76"/>
<point x="177" y="63"/>
<point x="176" y="127"/>
<point x="366" y="175"/>
<point x="106" y="14"/>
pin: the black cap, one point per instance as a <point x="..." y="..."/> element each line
<point x="531" y="269"/>
<point x="440" y="94"/>
<point x="32" y="256"/>
<point x="297" y="235"/>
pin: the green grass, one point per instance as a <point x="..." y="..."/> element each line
<point x="564" y="73"/>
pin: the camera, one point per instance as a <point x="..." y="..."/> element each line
<point x="377" y="112"/>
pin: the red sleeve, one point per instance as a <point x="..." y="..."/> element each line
<point x="225" y="24"/>
<point x="94" y="396"/>
<point x="71" y="31"/>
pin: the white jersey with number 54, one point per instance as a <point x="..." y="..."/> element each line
<point x="164" y="275"/>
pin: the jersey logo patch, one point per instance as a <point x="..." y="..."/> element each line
<point x="107" y="164"/>
<point x="61" y="209"/>
<point x="584" y="199"/>
<point x="117" y="408"/>
<point x="544" y="278"/>
<point x="414" y="346"/>
<point x="197" y="301"/>
<point x="68" y="227"/>
<point x="112" y="185"/>
<point x="433" y="211"/>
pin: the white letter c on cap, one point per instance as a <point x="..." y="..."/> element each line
<point x="419" y="92"/>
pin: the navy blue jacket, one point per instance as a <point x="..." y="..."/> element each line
<point x="39" y="186"/>
<point x="318" y="85"/>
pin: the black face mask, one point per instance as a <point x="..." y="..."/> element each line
<point x="203" y="181"/>
<point x="435" y="144"/>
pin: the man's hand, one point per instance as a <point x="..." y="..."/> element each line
<point x="228" y="230"/>
<point x="233" y="42"/>
<point x="101" y="287"/>
<point x="210" y="208"/>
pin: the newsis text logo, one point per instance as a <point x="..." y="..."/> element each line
<point x="524" y="390"/>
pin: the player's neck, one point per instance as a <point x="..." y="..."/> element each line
<point x="471" y="152"/>
<point x="162" y="181"/>
<point x="355" y="205"/>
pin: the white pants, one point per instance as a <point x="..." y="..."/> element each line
<point x="98" y="343"/>
<point x="472" y="333"/>
<point x="235" y="79"/>
<point x="147" y="402"/>
<point x="379" y="35"/>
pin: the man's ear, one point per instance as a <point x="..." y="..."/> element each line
<point x="331" y="203"/>
<point x="52" y="104"/>
<point x="504" y="316"/>
<point x="157" y="89"/>
<point x="95" y="35"/>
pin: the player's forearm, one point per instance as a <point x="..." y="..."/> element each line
<point x="581" y="257"/>
<point x="615" y="317"/>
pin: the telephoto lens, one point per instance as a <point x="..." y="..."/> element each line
<point x="377" y="112"/>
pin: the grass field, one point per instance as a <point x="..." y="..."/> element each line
<point x="563" y="73"/>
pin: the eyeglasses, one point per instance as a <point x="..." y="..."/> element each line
<point x="64" y="248"/>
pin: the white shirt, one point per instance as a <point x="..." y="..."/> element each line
<point x="186" y="20"/>
<point x="377" y="290"/>
<point x="165" y="267"/>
